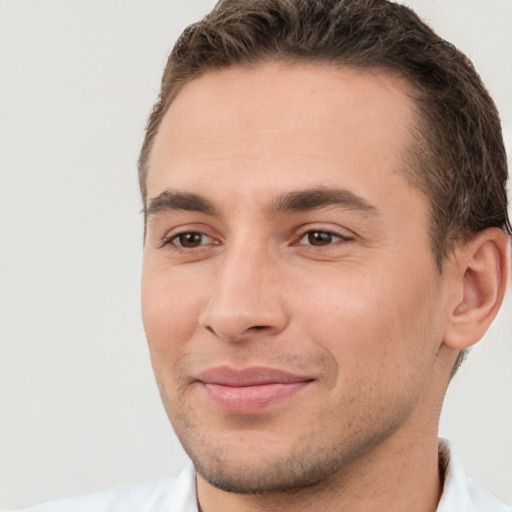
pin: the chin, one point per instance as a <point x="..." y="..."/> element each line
<point x="272" y="475"/>
<point x="262" y="464"/>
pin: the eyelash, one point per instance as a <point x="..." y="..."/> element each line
<point x="328" y="235"/>
<point x="169" y="240"/>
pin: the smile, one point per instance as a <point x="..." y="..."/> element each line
<point x="249" y="391"/>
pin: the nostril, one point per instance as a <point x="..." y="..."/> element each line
<point x="222" y="334"/>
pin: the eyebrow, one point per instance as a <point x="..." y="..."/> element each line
<point x="298" y="201"/>
<point x="170" y="200"/>
<point x="316" y="198"/>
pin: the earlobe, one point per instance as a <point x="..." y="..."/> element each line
<point x="483" y="273"/>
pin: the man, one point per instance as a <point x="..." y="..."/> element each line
<point x="326" y="234"/>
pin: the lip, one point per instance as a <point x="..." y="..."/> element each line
<point x="249" y="390"/>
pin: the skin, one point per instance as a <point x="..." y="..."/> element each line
<point x="343" y="293"/>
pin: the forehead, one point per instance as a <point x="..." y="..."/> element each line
<point x="295" y="118"/>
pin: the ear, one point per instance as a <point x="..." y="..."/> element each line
<point x="481" y="269"/>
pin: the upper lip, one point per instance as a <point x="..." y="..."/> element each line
<point x="253" y="376"/>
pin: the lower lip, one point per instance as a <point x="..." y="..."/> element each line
<point x="250" y="399"/>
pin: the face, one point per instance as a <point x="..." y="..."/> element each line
<point x="291" y="300"/>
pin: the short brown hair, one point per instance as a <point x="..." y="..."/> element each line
<point x="458" y="156"/>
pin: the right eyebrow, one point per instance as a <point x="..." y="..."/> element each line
<point x="171" y="201"/>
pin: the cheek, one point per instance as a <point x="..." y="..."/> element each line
<point x="169" y="315"/>
<point x="169" y="322"/>
<point x="369" y="324"/>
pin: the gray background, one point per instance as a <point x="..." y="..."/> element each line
<point x="79" y="408"/>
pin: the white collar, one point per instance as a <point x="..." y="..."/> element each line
<point x="460" y="493"/>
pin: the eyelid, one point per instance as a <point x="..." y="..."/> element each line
<point x="334" y="239"/>
<point x="174" y="238"/>
<point x="181" y="230"/>
<point x="343" y="233"/>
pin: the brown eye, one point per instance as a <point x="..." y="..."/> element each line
<point x="190" y="240"/>
<point x="319" y="238"/>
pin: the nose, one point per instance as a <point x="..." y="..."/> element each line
<point x="247" y="300"/>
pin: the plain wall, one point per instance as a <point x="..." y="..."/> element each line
<point x="79" y="410"/>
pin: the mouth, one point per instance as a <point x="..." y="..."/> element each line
<point x="250" y="390"/>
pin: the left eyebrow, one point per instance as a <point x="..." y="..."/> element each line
<point x="313" y="199"/>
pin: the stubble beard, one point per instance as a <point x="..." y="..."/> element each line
<point x="314" y="461"/>
<point x="262" y="458"/>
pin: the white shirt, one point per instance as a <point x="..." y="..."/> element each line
<point x="460" y="494"/>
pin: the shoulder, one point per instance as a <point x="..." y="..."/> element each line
<point x="176" y="495"/>
<point x="460" y="492"/>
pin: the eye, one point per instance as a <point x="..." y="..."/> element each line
<point x="190" y="239"/>
<point x="320" y="238"/>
